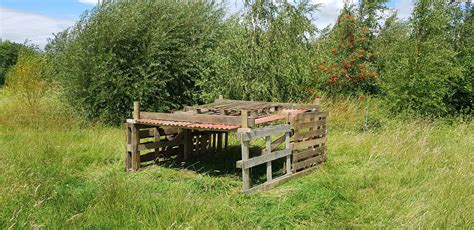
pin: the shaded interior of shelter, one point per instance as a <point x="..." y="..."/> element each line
<point x="223" y="162"/>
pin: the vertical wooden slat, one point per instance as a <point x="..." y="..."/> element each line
<point x="136" y="110"/>
<point x="156" y="137"/>
<point x="188" y="144"/>
<point x="219" y="141"/>
<point x="245" y="172"/>
<point x="288" y="158"/>
<point x="268" y="141"/>
<point x="135" y="152"/>
<point x="226" y="140"/>
<point x="244" y="116"/>
<point x="214" y="142"/>
<point x="128" y="156"/>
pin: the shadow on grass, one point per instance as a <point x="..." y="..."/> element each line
<point x="223" y="163"/>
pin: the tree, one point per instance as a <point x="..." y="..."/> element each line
<point x="121" y="51"/>
<point x="349" y="70"/>
<point x="8" y="56"/>
<point x="419" y="64"/>
<point x="27" y="78"/>
<point x="265" y="54"/>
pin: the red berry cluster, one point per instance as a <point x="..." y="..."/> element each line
<point x="348" y="68"/>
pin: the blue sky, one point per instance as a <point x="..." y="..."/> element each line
<point x="37" y="20"/>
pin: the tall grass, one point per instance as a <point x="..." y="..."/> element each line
<point x="404" y="174"/>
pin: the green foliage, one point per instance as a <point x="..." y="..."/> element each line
<point x="349" y="69"/>
<point x="27" y="78"/>
<point x="264" y="55"/>
<point x="462" y="39"/>
<point x="8" y="56"/>
<point x="418" y="62"/>
<point x="151" y="51"/>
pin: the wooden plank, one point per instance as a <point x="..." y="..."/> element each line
<point x="308" y="143"/>
<point x="288" y="158"/>
<point x="136" y="110"/>
<point x="299" y="136"/>
<point x="309" y="162"/>
<point x="188" y="144"/>
<point x="278" y="141"/>
<point x="178" y="140"/>
<point x="262" y="132"/>
<point x="156" y="137"/>
<point x="128" y="141"/>
<point x="252" y="162"/>
<point x="310" y="124"/>
<point x="219" y="141"/>
<point x="268" y="141"/>
<point x="151" y="156"/>
<point x="280" y="180"/>
<point x="135" y="152"/>
<point x="245" y="171"/>
<point x="308" y="153"/>
<point x="199" y="118"/>
<point x="307" y="115"/>
<point x="226" y="140"/>
<point x="150" y="132"/>
<point x="244" y="119"/>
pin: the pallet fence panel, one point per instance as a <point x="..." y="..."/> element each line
<point x="246" y="135"/>
<point x="309" y="139"/>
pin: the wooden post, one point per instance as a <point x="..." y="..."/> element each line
<point x="214" y="142"/>
<point x="244" y="115"/>
<point x="245" y="172"/>
<point x="156" y="137"/>
<point x="219" y="141"/>
<point x="226" y="139"/>
<point x="268" y="141"/>
<point x="128" y="155"/>
<point x="135" y="153"/>
<point x="288" y="158"/>
<point x="136" y="110"/>
<point x="221" y="97"/>
<point x="188" y="142"/>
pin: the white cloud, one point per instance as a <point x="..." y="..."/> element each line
<point x="404" y="8"/>
<point x="19" y="26"/>
<point x="92" y="2"/>
<point x="328" y="11"/>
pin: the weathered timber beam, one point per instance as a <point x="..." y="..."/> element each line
<point x="200" y="118"/>
<point x="263" y="159"/>
<point x="262" y="132"/>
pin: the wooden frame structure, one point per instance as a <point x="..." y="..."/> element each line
<point x="300" y="140"/>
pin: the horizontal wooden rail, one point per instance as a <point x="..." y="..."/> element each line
<point x="262" y="132"/>
<point x="263" y="159"/>
<point x="200" y="118"/>
<point x="310" y="124"/>
<point x="303" y="136"/>
<point x="308" y="143"/>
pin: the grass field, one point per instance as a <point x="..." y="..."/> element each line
<point x="60" y="173"/>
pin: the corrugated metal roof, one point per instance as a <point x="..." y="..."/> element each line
<point x="191" y="125"/>
<point x="195" y="125"/>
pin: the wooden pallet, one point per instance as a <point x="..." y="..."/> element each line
<point x="309" y="140"/>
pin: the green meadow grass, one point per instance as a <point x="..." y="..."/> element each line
<point x="59" y="173"/>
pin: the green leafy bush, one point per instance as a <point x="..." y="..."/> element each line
<point x="418" y="62"/>
<point x="8" y="56"/>
<point x="26" y="79"/>
<point x="150" y="51"/>
<point x="265" y="54"/>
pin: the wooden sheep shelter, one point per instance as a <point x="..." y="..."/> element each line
<point x="301" y="141"/>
